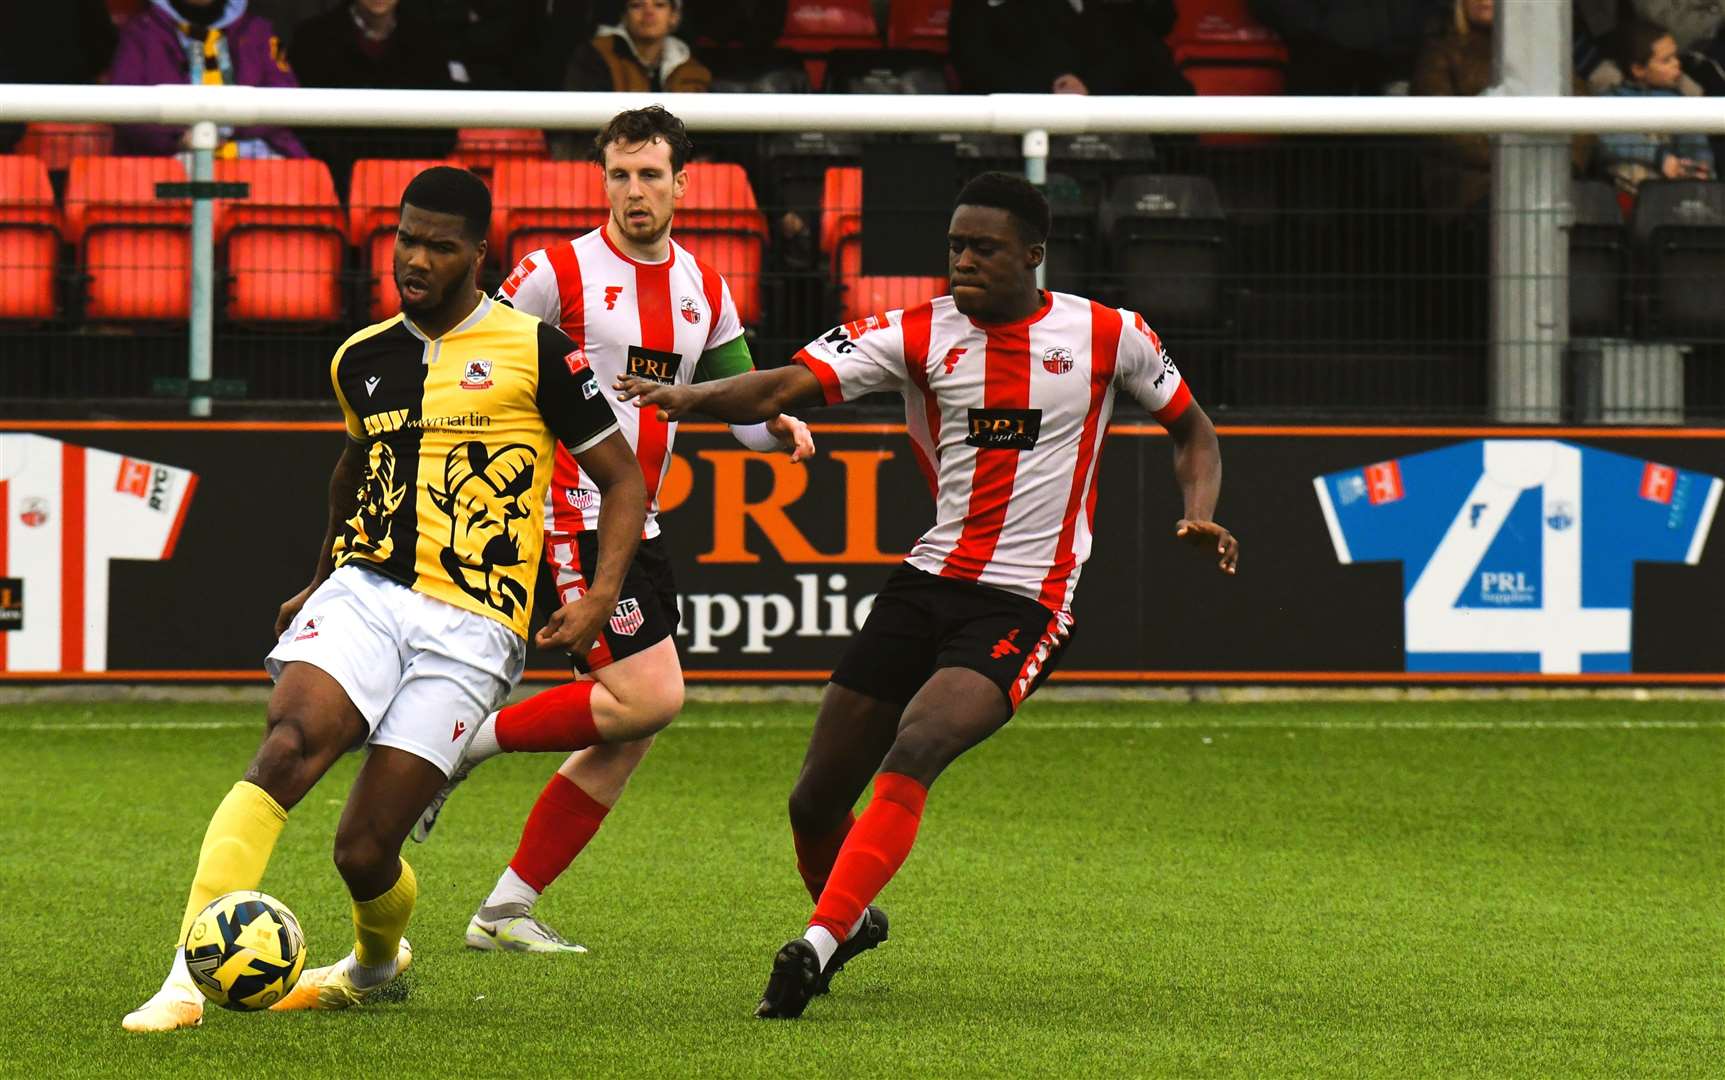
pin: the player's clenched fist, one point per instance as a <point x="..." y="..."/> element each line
<point x="1201" y="533"/>
<point x="572" y="627"/>
<point x="671" y="401"/>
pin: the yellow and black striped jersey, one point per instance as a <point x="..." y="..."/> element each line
<point x="458" y="433"/>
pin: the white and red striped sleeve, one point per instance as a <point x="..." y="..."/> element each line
<point x="858" y="358"/>
<point x="1142" y="369"/>
<point x="532" y="288"/>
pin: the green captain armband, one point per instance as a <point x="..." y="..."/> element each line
<point x="731" y="358"/>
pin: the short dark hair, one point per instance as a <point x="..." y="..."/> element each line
<point x="1632" y="43"/>
<point x="637" y="127"/>
<point x="1017" y="196"/>
<point x="444" y="189"/>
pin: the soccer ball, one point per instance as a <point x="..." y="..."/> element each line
<point x="245" y="950"/>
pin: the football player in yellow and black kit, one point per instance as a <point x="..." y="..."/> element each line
<point x="413" y="627"/>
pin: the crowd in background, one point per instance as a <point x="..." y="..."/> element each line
<point x="1622" y="48"/>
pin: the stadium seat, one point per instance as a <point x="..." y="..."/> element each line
<point x="484" y="149"/>
<point x="1679" y="227"/>
<point x="374" y="208"/>
<point x="1221" y="48"/>
<point x="1071" y="250"/>
<point x="57" y="144"/>
<point x="29" y="239"/>
<point x="919" y="24"/>
<point x="841" y="236"/>
<point x="135" y="249"/>
<point x="537" y="203"/>
<point x="886" y="72"/>
<point x="816" y="28"/>
<point x="756" y="71"/>
<point x="1597" y="261"/>
<point x="721" y="223"/>
<point x="1165" y="235"/>
<point x="285" y="241"/>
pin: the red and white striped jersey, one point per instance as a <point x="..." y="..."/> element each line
<point x="1007" y="425"/>
<point x="649" y="320"/>
<point x="65" y="511"/>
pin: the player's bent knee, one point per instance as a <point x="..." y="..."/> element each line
<point x="813" y="811"/>
<point x="360" y="855"/>
<point x="922" y="754"/>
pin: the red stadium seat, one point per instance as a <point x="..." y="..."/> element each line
<point x="135" y="249"/>
<point x="721" y="223"/>
<point x="484" y="149"/>
<point x="537" y="203"/>
<point x="1222" y="48"/>
<point x="919" y="24"/>
<point x="818" y="27"/>
<point x="285" y="241"/>
<point x="374" y="208"/>
<point x="841" y="237"/>
<point x="29" y="239"/>
<point x="57" y="144"/>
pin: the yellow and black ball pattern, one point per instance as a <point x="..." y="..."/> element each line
<point x="245" y="950"/>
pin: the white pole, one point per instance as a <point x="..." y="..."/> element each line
<point x="1036" y="171"/>
<point x="198" y="366"/>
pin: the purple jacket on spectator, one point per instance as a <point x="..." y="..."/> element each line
<point x="153" y="51"/>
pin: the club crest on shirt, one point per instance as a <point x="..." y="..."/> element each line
<point x="34" y="512"/>
<point x="1057" y="361"/>
<point x="477" y="376"/>
<point x="581" y="498"/>
<point x="691" y="310"/>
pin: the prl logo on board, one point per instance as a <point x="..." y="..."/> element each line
<point x="1518" y="555"/>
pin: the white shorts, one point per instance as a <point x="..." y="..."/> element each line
<point x="421" y="671"/>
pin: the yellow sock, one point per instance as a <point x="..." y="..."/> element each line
<point x="378" y="924"/>
<point x="236" y="849"/>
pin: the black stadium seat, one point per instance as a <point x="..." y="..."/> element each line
<point x="1597" y="261"/>
<point x="1165" y="234"/>
<point x="1679" y="227"/>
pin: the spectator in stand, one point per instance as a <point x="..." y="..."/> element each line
<point x="1647" y="54"/>
<point x="1350" y="46"/>
<point x="1064" y="47"/>
<point x="641" y="54"/>
<point x="203" y="42"/>
<point x="1689" y="22"/>
<point x="371" y="45"/>
<point x="493" y="44"/>
<point x="47" y="43"/>
<point x="1458" y="63"/>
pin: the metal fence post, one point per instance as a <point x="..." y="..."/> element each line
<point x="1531" y="209"/>
<point x="198" y="366"/>
<point x="1036" y="171"/>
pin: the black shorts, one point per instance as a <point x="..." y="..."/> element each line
<point x="921" y="623"/>
<point x="646" y="608"/>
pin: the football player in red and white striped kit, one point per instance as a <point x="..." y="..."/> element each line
<point x="636" y="302"/>
<point x="1008" y="392"/>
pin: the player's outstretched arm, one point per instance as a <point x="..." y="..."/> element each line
<point x="1198" y="469"/>
<point x="748" y="398"/>
<point x="622" y="514"/>
<point x="344" y="485"/>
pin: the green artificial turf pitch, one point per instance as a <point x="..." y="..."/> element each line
<point x="1309" y="889"/>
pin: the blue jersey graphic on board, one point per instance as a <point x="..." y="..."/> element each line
<point x="1518" y="554"/>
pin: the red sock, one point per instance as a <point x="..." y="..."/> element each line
<point x="815" y="855"/>
<point x="558" y="827"/>
<point x="872" y="853"/>
<point x="560" y="718"/>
